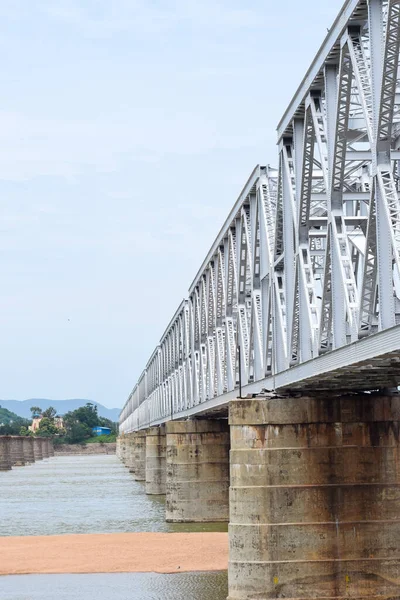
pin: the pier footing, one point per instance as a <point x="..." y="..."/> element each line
<point x="17" y="451"/>
<point x="29" y="454"/>
<point x="155" y="460"/>
<point x="5" y="453"/>
<point x="315" y="498"/>
<point x="197" y="484"/>
<point x="139" y="455"/>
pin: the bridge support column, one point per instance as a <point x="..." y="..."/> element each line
<point x="315" y="498"/>
<point x="139" y="455"/>
<point x="119" y="447"/>
<point x="51" y="447"/>
<point x="27" y="444"/>
<point x="37" y="448"/>
<point x="155" y="460"/>
<point x="5" y="453"/>
<point x="197" y="485"/>
<point x="45" y="447"/>
<point x="129" y="452"/>
<point x="48" y="447"/>
<point x="17" y="451"/>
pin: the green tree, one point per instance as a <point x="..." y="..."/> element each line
<point x="77" y="432"/>
<point x="36" y="410"/>
<point x="87" y="414"/>
<point x="25" y="431"/>
<point x="47" y="428"/>
<point x="50" y="413"/>
<point x="10" y="423"/>
<point x="80" y="422"/>
<point x="103" y="422"/>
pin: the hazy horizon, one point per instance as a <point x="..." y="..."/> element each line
<point x="57" y="400"/>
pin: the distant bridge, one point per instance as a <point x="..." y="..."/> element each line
<point x="301" y="288"/>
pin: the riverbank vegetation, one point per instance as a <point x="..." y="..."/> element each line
<point x="10" y="423"/>
<point x="75" y="427"/>
<point x="102" y="439"/>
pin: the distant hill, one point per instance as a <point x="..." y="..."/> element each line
<point x="7" y="417"/>
<point x="22" y="407"/>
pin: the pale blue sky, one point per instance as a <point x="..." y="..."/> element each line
<point x="127" y="130"/>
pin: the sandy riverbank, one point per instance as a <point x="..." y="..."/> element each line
<point x="114" y="553"/>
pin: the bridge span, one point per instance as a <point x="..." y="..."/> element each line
<point x="292" y="325"/>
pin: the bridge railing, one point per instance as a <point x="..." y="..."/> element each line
<point x="308" y="260"/>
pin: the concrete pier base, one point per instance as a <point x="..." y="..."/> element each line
<point x="197" y="483"/>
<point x="17" y="451"/>
<point x="130" y="452"/>
<point x="139" y="455"/>
<point x="125" y="448"/>
<point x="119" y="447"/>
<point x="27" y="444"/>
<point x="5" y="453"/>
<point x="315" y="498"/>
<point x="155" y="460"/>
<point x="51" y="447"/>
<point x="37" y="448"/>
<point x="45" y="448"/>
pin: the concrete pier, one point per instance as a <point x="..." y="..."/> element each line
<point x="139" y="455"/>
<point x="50" y="447"/>
<point x="124" y="448"/>
<point x="27" y="444"/>
<point x="155" y="460"/>
<point x="17" y="451"/>
<point x="197" y="483"/>
<point x="118" y="447"/>
<point x="45" y="447"/>
<point x="129" y="452"/>
<point x="37" y="448"/>
<point x="315" y="498"/>
<point x="5" y="453"/>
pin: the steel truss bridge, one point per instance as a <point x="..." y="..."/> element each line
<point x="301" y="288"/>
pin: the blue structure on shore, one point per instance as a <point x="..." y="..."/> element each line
<point x="101" y="430"/>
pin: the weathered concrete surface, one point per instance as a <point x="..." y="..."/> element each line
<point x="155" y="460"/>
<point x="5" y="453"/>
<point x="51" y="447"/>
<point x="27" y="444"/>
<point x="139" y="455"/>
<point x="81" y="449"/>
<point x="120" y="447"/>
<point x="17" y="451"/>
<point x="37" y="448"/>
<point x="130" y="452"/>
<point x="197" y="484"/>
<point x="315" y="498"/>
<point x="49" y="450"/>
<point x="45" y="447"/>
<point x="124" y="448"/>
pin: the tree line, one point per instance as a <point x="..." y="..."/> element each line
<point x="77" y="424"/>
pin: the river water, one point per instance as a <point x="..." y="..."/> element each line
<point x="92" y="494"/>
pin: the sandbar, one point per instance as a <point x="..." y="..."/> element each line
<point x="114" y="553"/>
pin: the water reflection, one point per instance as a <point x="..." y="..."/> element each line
<point x="121" y="586"/>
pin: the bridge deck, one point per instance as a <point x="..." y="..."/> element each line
<point x="370" y="363"/>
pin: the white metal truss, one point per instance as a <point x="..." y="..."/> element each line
<point x="307" y="263"/>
